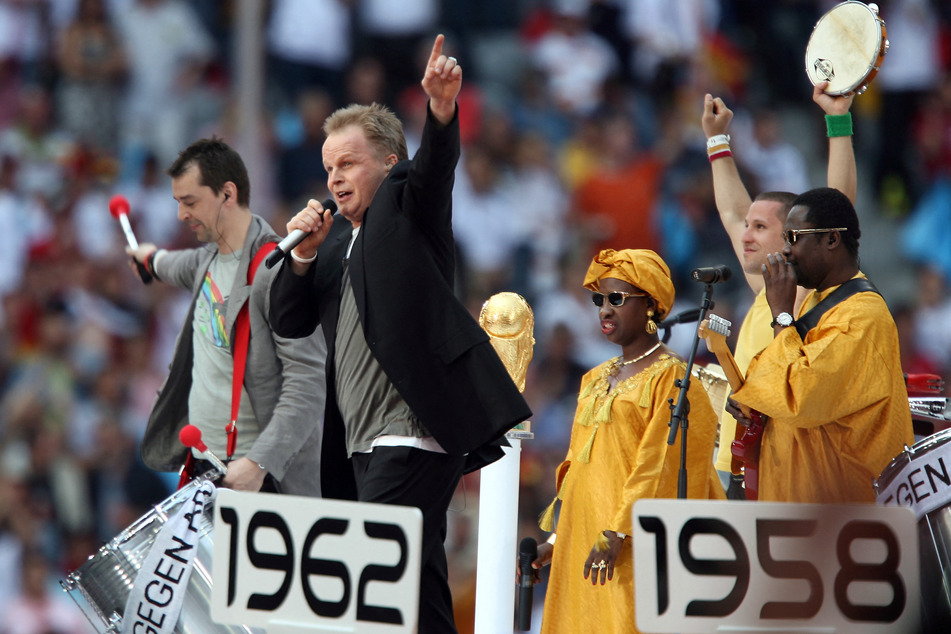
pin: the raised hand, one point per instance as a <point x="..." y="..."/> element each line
<point x="442" y="82"/>
<point x="716" y="116"/>
<point x="831" y="104"/>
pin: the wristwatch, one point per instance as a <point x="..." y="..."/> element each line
<point x="782" y="319"/>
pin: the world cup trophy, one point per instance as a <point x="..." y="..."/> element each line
<point x="508" y="320"/>
<point x="510" y="324"/>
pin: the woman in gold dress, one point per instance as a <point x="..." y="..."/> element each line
<point x="619" y="452"/>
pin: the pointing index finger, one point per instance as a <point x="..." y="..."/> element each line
<point x="437" y="49"/>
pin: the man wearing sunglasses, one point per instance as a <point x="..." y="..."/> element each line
<point x="831" y="384"/>
<point x="755" y="227"/>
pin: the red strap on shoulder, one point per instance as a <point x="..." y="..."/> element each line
<point x="242" y="330"/>
<point x="188" y="469"/>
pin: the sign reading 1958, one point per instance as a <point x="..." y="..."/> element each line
<point x="701" y="566"/>
<point x="324" y="563"/>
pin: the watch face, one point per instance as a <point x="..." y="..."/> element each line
<point x="784" y="319"/>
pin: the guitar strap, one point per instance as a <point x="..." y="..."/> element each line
<point x="856" y="285"/>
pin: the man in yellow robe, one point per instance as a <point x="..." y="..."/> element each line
<point x="755" y="228"/>
<point x="836" y="399"/>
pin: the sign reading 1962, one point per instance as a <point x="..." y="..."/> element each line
<point x="341" y="566"/>
<point x="703" y="566"/>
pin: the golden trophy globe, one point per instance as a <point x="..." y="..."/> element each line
<point x="508" y="320"/>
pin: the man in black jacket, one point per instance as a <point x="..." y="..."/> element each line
<point x="416" y="395"/>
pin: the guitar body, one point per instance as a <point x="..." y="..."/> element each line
<point x="746" y="450"/>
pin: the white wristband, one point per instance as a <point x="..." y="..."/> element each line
<point x="551" y="539"/>
<point x="303" y="260"/>
<point x="718" y="139"/>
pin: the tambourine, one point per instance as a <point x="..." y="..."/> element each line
<point x="846" y="48"/>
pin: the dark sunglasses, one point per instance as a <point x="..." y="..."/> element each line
<point x="791" y="235"/>
<point x="615" y="298"/>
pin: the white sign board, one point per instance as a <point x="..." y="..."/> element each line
<point x="324" y="564"/>
<point x="709" y="566"/>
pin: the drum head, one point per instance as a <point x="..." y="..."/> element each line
<point x="845" y="47"/>
<point x="900" y="462"/>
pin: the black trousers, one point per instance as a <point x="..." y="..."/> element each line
<point x="426" y="480"/>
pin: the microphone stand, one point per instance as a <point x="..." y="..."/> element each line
<point x="678" y="416"/>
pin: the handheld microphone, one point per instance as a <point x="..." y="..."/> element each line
<point x="119" y="208"/>
<point x="527" y="553"/>
<point x="294" y="238"/>
<point x="711" y="274"/>
<point x="190" y="436"/>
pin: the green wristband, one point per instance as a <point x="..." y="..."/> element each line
<point x="839" y="124"/>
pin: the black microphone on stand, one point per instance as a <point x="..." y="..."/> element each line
<point x="294" y="238"/>
<point x="527" y="553"/>
<point x="711" y="274"/>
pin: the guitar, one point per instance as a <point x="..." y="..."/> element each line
<point x="745" y="447"/>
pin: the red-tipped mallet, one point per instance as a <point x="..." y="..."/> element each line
<point x="190" y="436"/>
<point x="119" y="208"/>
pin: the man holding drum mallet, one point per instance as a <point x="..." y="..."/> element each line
<point x="267" y="428"/>
<point x="755" y="227"/>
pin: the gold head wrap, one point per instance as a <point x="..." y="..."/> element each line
<point x="641" y="268"/>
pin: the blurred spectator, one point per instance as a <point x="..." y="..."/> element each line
<point x="533" y="111"/>
<point x="40" y="393"/>
<point x="92" y="65"/>
<point x="309" y="46"/>
<point x="41" y="149"/>
<point x="690" y="229"/>
<point x="614" y="205"/>
<point x="926" y="234"/>
<point x="539" y="216"/>
<point x="578" y="156"/>
<point x="17" y="532"/>
<point x="570" y="306"/>
<point x="764" y="150"/>
<point x="40" y="608"/>
<point x="168" y="51"/>
<point x="933" y="314"/>
<point x="397" y="33"/>
<point x="24" y="38"/>
<point x="10" y="84"/>
<point x="575" y="61"/>
<point x="301" y="174"/>
<point x="95" y="232"/>
<point x="484" y="225"/>
<point x="910" y="70"/>
<point x="121" y="487"/>
<point x="667" y="38"/>
<point x="776" y="34"/>
<point x="365" y="82"/>
<point x="55" y="485"/>
<point x="152" y="211"/>
<point x="23" y="223"/>
<point x="552" y="390"/>
<point x="932" y="134"/>
<point x="913" y="359"/>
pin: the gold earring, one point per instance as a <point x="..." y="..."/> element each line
<point x="651" y="327"/>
